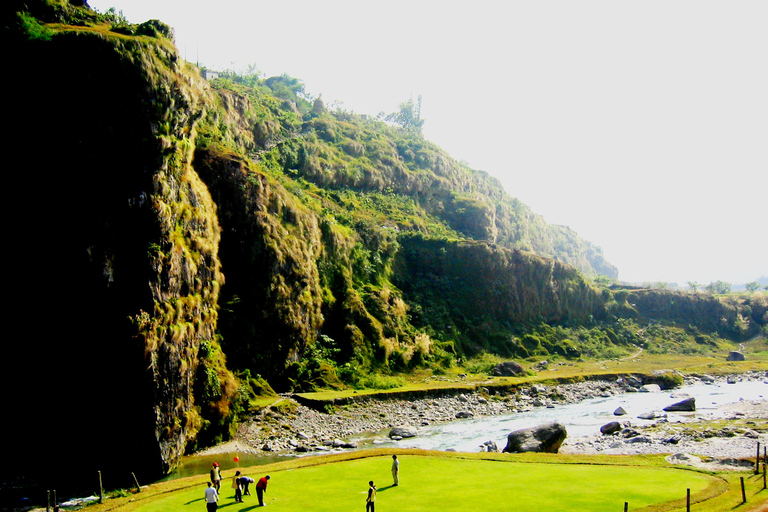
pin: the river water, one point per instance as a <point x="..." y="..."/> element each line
<point x="580" y="419"/>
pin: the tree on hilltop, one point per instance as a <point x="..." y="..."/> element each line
<point x="408" y="117"/>
<point x="719" y="287"/>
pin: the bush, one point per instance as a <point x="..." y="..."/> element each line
<point x="482" y="363"/>
<point x="379" y="382"/>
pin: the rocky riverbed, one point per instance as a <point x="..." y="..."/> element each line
<point x="729" y="432"/>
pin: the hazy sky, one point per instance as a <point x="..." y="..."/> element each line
<point x="642" y="125"/>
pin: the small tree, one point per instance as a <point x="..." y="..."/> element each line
<point x="694" y="285"/>
<point x="719" y="287"/>
<point x="408" y="117"/>
<point x="752" y="287"/>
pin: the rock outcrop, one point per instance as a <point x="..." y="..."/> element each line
<point x="735" y="356"/>
<point x="543" y="438"/>
<point x="508" y="369"/>
<point x="687" y="405"/>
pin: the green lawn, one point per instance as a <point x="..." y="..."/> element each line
<point x="448" y="484"/>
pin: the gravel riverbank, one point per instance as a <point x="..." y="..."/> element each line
<point x="289" y="427"/>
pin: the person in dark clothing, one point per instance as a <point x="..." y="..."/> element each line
<point x="237" y="487"/>
<point x="261" y="488"/>
<point x="370" y="501"/>
<point x="216" y="476"/>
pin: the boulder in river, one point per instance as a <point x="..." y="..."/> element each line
<point x="508" y="369"/>
<point x="735" y="355"/>
<point x="619" y="412"/>
<point x="652" y="415"/>
<point x="403" y="431"/>
<point x="650" y="388"/>
<point x="543" y="438"/>
<point x="489" y="446"/>
<point x="689" y="404"/>
<point x="610" y="428"/>
<point x="464" y="414"/>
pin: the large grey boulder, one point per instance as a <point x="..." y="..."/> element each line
<point x="619" y="412"/>
<point x="652" y="415"/>
<point x="543" y="438"/>
<point x="735" y="355"/>
<point x="610" y="428"/>
<point x="650" y="388"/>
<point x="508" y="369"/>
<point x="403" y="431"/>
<point x="689" y="404"/>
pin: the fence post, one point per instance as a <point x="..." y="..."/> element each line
<point x="687" y="500"/>
<point x="764" y="472"/>
<point x="101" y="490"/>
<point x="743" y="492"/>
<point x="48" y="501"/>
<point x="626" y="506"/>
<point x="757" y="459"/>
<point x="138" y="488"/>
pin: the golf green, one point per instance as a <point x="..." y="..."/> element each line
<point x="448" y="484"/>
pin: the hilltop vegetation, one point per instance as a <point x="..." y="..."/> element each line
<point x="182" y="247"/>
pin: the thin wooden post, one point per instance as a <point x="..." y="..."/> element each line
<point x="138" y="487"/>
<point x="55" y="502"/>
<point x="687" y="500"/>
<point x="626" y="506"/>
<point x="757" y="459"/>
<point x="743" y="491"/>
<point x="764" y="473"/>
<point x="48" y="501"/>
<point x="101" y="490"/>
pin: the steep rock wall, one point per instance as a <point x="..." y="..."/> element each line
<point x="732" y="317"/>
<point x="116" y="243"/>
<point x="485" y="293"/>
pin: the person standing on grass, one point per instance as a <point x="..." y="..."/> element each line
<point x="216" y="476"/>
<point x="211" y="498"/>
<point x="370" y="501"/>
<point x="238" y="489"/>
<point x="261" y="488"/>
<point x="395" y="470"/>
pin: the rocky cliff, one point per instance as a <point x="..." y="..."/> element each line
<point x="115" y="245"/>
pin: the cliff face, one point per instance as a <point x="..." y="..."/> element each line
<point x="115" y="247"/>
<point x="732" y="317"/>
<point x="485" y="293"/>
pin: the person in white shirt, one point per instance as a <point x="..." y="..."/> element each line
<point x="211" y="498"/>
<point x="395" y="470"/>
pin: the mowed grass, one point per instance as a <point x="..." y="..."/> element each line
<point x="453" y="484"/>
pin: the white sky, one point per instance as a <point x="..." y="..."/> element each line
<point x="642" y="125"/>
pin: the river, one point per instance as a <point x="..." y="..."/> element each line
<point x="580" y="419"/>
